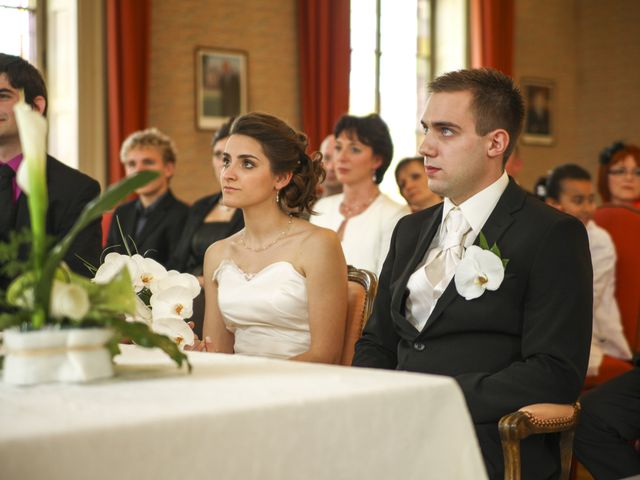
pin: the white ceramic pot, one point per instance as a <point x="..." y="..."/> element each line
<point x="56" y="355"/>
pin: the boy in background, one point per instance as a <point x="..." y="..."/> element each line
<point x="569" y="188"/>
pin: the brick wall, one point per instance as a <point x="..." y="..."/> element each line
<point x="266" y="29"/>
<point x="591" y="50"/>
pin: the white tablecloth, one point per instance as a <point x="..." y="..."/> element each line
<point x="238" y="418"/>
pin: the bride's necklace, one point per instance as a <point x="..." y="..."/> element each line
<point x="354" y="209"/>
<point x="242" y="239"/>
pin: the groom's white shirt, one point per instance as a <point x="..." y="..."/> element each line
<point x="423" y="297"/>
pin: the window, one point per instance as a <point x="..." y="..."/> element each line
<point x="18" y="32"/>
<point x="396" y="48"/>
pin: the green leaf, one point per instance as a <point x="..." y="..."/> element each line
<point x="122" y="236"/>
<point x="504" y="262"/>
<point x="143" y="336"/>
<point x="14" y="319"/>
<point x="117" y="296"/>
<point x="483" y="242"/>
<point x="145" y="296"/>
<point x="496" y="250"/>
<point x="94" y="209"/>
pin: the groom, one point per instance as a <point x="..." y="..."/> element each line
<point x="525" y="338"/>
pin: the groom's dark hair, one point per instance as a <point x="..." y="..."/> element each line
<point x="22" y="75"/>
<point x="497" y="101"/>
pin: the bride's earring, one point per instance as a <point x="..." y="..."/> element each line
<point x="277" y="197"/>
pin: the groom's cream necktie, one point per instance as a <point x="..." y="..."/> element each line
<point x="443" y="264"/>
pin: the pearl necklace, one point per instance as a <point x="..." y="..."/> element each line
<point x="348" y="211"/>
<point x="242" y="240"/>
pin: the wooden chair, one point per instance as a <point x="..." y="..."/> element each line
<point x="537" y="419"/>
<point x="362" y="285"/>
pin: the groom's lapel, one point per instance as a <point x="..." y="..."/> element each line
<point x="427" y="232"/>
<point x="496" y="225"/>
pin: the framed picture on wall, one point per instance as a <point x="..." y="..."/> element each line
<point x="221" y="86"/>
<point x="539" y="119"/>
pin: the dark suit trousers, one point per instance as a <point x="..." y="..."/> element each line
<point x="609" y="421"/>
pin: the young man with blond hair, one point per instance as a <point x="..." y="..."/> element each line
<point x="151" y="224"/>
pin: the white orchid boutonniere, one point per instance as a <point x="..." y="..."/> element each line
<point x="482" y="268"/>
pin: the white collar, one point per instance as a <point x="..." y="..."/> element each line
<point x="476" y="210"/>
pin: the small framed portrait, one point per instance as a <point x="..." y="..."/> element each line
<point x="539" y="119"/>
<point x="221" y="86"/>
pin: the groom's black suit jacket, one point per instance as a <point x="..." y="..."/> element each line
<point x="69" y="191"/>
<point x="527" y="342"/>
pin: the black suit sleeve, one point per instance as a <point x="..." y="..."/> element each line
<point x="556" y="331"/>
<point x="378" y="345"/>
<point x="88" y="243"/>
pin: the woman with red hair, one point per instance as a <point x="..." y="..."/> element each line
<point x="619" y="175"/>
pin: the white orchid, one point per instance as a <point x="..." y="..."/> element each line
<point x="177" y="279"/>
<point x="147" y="273"/>
<point x="142" y="314"/>
<point x="171" y="299"/>
<point x="68" y="300"/>
<point x="479" y="270"/>
<point x="113" y="263"/>
<point x="176" y="329"/>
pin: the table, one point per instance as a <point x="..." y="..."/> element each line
<point x="238" y="417"/>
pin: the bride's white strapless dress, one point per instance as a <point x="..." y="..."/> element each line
<point x="267" y="311"/>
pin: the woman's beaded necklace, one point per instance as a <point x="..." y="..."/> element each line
<point x="242" y="238"/>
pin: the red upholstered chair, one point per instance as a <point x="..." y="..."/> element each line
<point x="623" y="224"/>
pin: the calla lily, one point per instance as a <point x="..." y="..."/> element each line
<point x="32" y="127"/>
<point x="31" y="178"/>
<point x="479" y="270"/>
<point x="173" y="301"/>
<point x="176" y="329"/>
<point x="68" y="300"/>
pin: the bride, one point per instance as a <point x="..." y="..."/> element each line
<point x="277" y="288"/>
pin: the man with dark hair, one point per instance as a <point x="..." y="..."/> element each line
<point x="509" y="335"/>
<point x="151" y="224"/>
<point x="69" y="190"/>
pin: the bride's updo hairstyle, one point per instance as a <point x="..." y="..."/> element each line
<point x="285" y="149"/>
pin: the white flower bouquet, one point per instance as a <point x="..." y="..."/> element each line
<point x="46" y="295"/>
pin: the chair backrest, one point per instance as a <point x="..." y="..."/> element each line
<point x="623" y="224"/>
<point x="362" y="286"/>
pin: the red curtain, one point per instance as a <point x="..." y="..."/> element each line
<point x="128" y="32"/>
<point x="323" y="37"/>
<point x="492" y="34"/>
